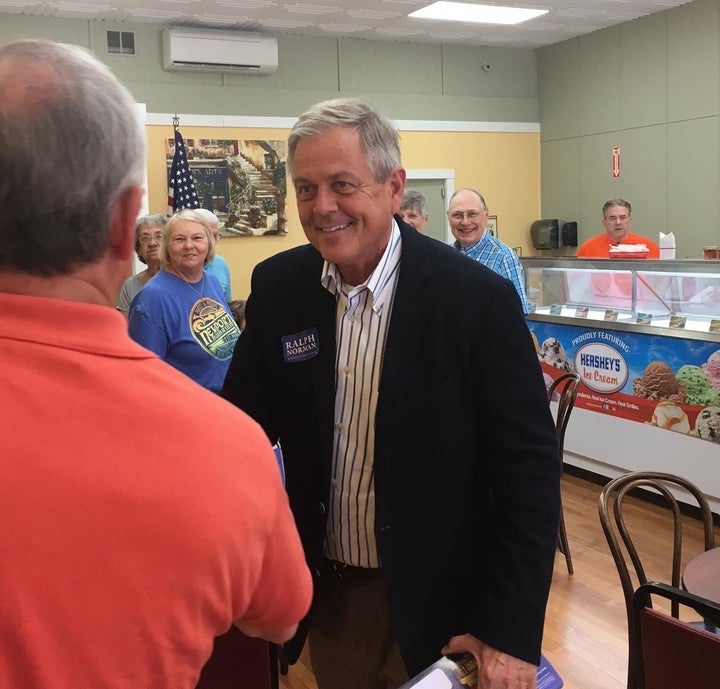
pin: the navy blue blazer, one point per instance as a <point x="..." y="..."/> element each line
<point x="466" y="462"/>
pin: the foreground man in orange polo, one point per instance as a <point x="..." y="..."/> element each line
<point x="420" y="455"/>
<point x="617" y="220"/>
<point x="142" y="515"/>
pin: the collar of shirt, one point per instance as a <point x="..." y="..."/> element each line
<point x="471" y="248"/>
<point x="379" y="282"/>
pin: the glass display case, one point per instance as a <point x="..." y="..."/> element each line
<point x="678" y="294"/>
<point x="644" y="338"/>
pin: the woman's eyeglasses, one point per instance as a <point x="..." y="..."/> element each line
<point x="145" y="238"/>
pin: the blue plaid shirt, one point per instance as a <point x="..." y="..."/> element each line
<point x="493" y="254"/>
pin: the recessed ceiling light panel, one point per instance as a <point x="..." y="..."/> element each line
<point x="478" y="14"/>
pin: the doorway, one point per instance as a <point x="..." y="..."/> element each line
<point x="437" y="186"/>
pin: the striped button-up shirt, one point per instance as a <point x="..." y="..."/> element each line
<point x="363" y="317"/>
<point x="501" y="259"/>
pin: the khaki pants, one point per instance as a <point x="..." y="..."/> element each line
<point x="352" y="644"/>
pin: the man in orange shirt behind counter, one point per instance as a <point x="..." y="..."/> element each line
<point x="616" y="220"/>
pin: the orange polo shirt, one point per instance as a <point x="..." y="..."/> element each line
<point x="599" y="247"/>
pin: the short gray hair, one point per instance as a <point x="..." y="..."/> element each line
<point x="192" y="215"/>
<point x="616" y="202"/>
<point x="70" y="146"/>
<point x="378" y="136"/>
<point x="208" y="215"/>
<point x="146" y="221"/>
<point x="413" y="200"/>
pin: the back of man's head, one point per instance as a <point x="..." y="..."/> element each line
<point x="70" y="146"/>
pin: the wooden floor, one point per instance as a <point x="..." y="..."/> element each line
<point x="585" y="628"/>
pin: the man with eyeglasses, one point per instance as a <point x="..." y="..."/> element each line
<point x="468" y="215"/>
<point x="617" y="218"/>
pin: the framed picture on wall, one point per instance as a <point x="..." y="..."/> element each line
<point x="242" y="181"/>
<point x="492" y="226"/>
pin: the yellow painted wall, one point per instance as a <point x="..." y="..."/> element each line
<point x="504" y="167"/>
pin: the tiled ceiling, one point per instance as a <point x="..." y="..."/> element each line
<point x="365" y="19"/>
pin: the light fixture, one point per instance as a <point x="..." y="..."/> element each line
<point x="476" y="14"/>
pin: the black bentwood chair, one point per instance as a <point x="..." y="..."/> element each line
<point x="566" y="387"/>
<point x="624" y="545"/>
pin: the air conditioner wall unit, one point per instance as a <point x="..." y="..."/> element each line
<point x="219" y="51"/>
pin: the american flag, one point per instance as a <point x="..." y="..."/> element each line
<point x="181" y="185"/>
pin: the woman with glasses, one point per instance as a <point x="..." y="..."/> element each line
<point x="181" y="314"/>
<point x="148" y="235"/>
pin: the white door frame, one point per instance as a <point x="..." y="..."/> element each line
<point x="448" y="178"/>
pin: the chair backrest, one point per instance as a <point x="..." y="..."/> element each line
<point x="566" y="386"/>
<point x="672" y="653"/>
<point x="238" y="662"/>
<point x="622" y="546"/>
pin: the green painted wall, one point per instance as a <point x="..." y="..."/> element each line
<point x="406" y="80"/>
<point x="652" y="87"/>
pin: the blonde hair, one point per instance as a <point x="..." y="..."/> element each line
<point x="192" y="216"/>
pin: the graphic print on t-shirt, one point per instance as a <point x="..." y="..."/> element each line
<point x="214" y="329"/>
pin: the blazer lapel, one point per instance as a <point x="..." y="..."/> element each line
<point x="409" y="314"/>
<point x="319" y="310"/>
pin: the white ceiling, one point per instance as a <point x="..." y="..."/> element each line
<point x="365" y="19"/>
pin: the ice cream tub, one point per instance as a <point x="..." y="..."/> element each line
<point x="628" y="254"/>
<point x="711" y="253"/>
<point x="629" y="251"/>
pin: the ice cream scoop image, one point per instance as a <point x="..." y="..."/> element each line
<point x="658" y="382"/>
<point x="699" y="390"/>
<point x="669" y="416"/>
<point x="712" y="369"/>
<point x="707" y="424"/>
<point x="553" y="353"/>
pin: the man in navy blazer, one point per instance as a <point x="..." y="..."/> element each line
<point x="420" y="453"/>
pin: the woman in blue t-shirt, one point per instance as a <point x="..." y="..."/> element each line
<point x="181" y="314"/>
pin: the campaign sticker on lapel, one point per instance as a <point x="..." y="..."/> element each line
<point x="300" y="346"/>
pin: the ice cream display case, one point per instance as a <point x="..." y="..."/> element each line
<point x="644" y="336"/>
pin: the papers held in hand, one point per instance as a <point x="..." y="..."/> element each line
<point x="460" y="672"/>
